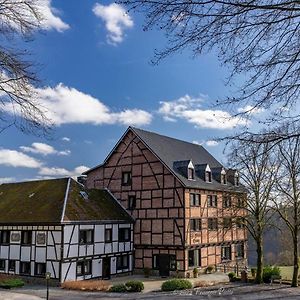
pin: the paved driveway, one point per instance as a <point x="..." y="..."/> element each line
<point x="227" y="292"/>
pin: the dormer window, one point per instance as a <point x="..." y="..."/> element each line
<point x="208" y="177"/>
<point x="191" y="171"/>
<point x="236" y="179"/>
<point x="223" y="177"/>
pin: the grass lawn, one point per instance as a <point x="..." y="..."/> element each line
<point x="286" y="272"/>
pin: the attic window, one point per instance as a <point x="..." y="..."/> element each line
<point x="84" y="195"/>
<point x="236" y="179"/>
<point x="208" y="176"/>
<point x="191" y="173"/>
<point x="223" y="177"/>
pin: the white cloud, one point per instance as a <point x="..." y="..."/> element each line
<point x="50" y="20"/>
<point x="209" y="143"/>
<point x="116" y="20"/>
<point x="66" y="139"/>
<point x="67" y="105"/>
<point x="55" y="171"/>
<point x="7" y="179"/>
<point x="44" y="149"/>
<point x="190" y="109"/>
<point x="250" y="110"/>
<point x="13" y="158"/>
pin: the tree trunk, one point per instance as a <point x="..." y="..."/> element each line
<point x="296" y="262"/>
<point x="259" y="262"/>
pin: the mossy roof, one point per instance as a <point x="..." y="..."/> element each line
<point x="44" y="202"/>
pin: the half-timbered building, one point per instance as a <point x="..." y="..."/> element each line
<point x="59" y="226"/>
<point x="188" y="208"/>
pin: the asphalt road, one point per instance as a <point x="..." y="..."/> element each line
<point x="228" y="292"/>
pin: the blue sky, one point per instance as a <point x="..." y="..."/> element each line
<point x="96" y="79"/>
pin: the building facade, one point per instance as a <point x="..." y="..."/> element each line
<point x="59" y="226"/>
<point x="188" y="208"/>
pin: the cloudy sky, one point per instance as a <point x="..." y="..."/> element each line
<point x="96" y="80"/>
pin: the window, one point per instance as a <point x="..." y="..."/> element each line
<point x="173" y="265"/>
<point x="86" y="236"/>
<point x="194" y="258"/>
<point x="236" y="180"/>
<point x="25" y="268"/>
<point x="26" y="237"/>
<point x="108" y="235"/>
<point x="226" y="253"/>
<point x="4" y="237"/>
<point x="212" y="223"/>
<point x="84" y="268"/>
<point x="2" y="264"/>
<point x="223" y="178"/>
<point x="12" y="265"/>
<point x="131" y="202"/>
<point x="124" y="234"/>
<point x="194" y="199"/>
<point x="240" y="222"/>
<point x="240" y="250"/>
<point x="41" y="238"/>
<point x="122" y="262"/>
<point x="212" y="200"/>
<point x="191" y="173"/>
<point x="195" y="224"/>
<point x="40" y="269"/>
<point x="240" y="202"/>
<point x="226" y="201"/>
<point x="227" y="222"/>
<point x="126" y="178"/>
<point x="208" y="176"/>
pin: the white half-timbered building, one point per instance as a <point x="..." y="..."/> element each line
<point x="58" y="226"/>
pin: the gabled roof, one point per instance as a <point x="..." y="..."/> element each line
<point x="57" y="201"/>
<point x="174" y="153"/>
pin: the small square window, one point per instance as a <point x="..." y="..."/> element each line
<point x="194" y="257"/>
<point x="212" y="200"/>
<point x="240" y="222"/>
<point x="25" y="268"/>
<point x="122" y="262"/>
<point x="40" y="269"/>
<point x="86" y="236"/>
<point x="227" y="223"/>
<point x="131" y="202"/>
<point x="226" y="253"/>
<point x="195" y="224"/>
<point x="126" y="178"/>
<point x="240" y="251"/>
<point x="124" y="234"/>
<point x="194" y="199"/>
<point x="226" y="201"/>
<point x="108" y="235"/>
<point x="212" y="223"/>
<point x="84" y="268"/>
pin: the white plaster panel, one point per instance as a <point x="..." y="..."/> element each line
<point x="40" y="254"/>
<point x="14" y="252"/>
<point x="99" y="233"/>
<point x="25" y="253"/>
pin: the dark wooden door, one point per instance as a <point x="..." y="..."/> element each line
<point x="106" y="268"/>
<point x="164" y="265"/>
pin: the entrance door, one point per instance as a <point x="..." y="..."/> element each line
<point x="106" y="268"/>
<point x="164" y="265"/>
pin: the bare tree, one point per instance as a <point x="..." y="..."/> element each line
<point x="19" y="104"/>
<point x="259" y="39"/>
<point x="287" y="203"/>
<point x="257" y="173"/>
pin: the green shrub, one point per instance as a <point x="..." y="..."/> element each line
<point x="176" y="284"/>
<point x="134" y="286"/>
<point x="118" y="288"/>
<point x="11" y="283"/>
<point x="270" y="271"/>
<point x="209" y="269"/>
<point x="231" y="276"/>
<point x="195" y="272"/>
